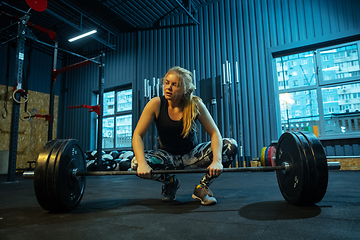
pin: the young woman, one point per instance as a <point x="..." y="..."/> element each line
<point x="175" y="115"/>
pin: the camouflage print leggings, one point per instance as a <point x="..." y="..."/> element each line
<point x="199" y="157"/>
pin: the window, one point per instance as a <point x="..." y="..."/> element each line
<point x="328" y="98"/>
<point x="342" y="62"/>
<point x="291" y="112"/>
<point x="117" y="119"/>
<point x="297" y="76"/>
<point x="293" y="63"/>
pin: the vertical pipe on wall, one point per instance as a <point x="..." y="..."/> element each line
<point x="226" y="101"/>
<point x="265" y="81"/>
<point x="234" y="14"/>
<point x="149" y="134"/>
<point x="154" y="133"/>
<point x="239" y="114"/>
<point x="52" y="94"/>
<point x="232" y="99"/>
<point x="243" y="83"/>
<point x="101" y="103"/>
<point x="254" y="72"/>
<point x="216" y="66"/>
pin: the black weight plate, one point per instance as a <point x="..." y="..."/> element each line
<point x="291" y="182"/>
<point x="321" y="168"/>
<point x="309" y="189"/>
<point x="50" y="175"/>
<point x="69" y="190"/>
<point x="40" y="173"/>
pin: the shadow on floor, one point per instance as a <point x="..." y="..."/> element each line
<point x="139" y="206"/>
<point x="277" y="210"/>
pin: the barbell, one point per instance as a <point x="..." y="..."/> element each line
<point x="301" y="170"/>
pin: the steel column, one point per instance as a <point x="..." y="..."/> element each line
<point x="20" y="50"/>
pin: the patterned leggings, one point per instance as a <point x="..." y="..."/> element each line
<point x="199" y="157"/>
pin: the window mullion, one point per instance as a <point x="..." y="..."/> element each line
<point x="317" y="62"/>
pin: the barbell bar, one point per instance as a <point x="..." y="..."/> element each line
<point x="75" y="173"/>
<point x="301" y="169"/>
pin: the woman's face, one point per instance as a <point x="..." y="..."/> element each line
<point x="172" y="90"/>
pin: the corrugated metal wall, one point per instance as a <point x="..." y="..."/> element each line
<point x="81" y="85"/>
<point x="247" y="32"/>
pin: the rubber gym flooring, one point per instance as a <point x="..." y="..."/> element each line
<point x="250" y="206"/>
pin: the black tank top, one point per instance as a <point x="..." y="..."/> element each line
<point x="170" y="131"/>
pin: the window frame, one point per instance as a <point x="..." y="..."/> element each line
<point x="114" y="116"/>
<point x="320" y="83"/>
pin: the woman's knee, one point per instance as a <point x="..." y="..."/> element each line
<point x="134" y="164"/>
<point x="230" y="148"/>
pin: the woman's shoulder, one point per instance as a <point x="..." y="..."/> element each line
<point x="200" y="106"/>
<point x="197" y="100"/>
<point x="156" y="101"/>
<point x="154" y="105"/>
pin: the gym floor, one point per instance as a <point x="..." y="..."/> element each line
<point x="250" y="206"/>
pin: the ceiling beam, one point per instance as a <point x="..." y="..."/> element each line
<point x="165" y="27"/>
<point x="186" y="11"/>
<point x="186" y="8"/>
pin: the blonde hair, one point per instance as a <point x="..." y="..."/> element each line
<point x="190" y="101"/>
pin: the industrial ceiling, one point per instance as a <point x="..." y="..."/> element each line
<point x="109" y="17"/>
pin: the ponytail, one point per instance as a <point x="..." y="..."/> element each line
<point x="190" y="112"/>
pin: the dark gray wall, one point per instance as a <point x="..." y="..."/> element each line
<point x="248" y="32"/>
<point x="81" y="85"/>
